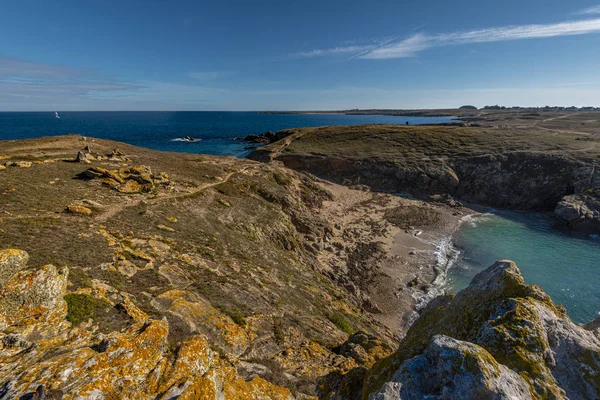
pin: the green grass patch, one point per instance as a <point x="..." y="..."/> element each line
<point x="341" y="322"/>
<point x="81" y="307"/>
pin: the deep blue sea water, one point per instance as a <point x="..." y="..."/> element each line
<point x="566" y="265"/>
<point x="160" y="130"/>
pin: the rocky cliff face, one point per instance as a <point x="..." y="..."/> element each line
<point x="509" y="169"/>
<point x="498" y="339"/>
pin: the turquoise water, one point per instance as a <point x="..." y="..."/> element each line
<point x="165" y="130"/>
<point x="565" y="265"/>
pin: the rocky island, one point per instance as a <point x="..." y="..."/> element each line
<point x="133" y="273"/>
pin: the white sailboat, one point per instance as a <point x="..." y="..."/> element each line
<point x="56" y="114"/>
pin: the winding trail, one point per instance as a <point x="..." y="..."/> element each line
<point x="114" y="209"/>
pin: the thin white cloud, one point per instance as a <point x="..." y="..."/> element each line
<point x="332" y="51"/>
<point x="419" y="42"/>
<point x="590" y="10"/>
<point x="10" y="67"/>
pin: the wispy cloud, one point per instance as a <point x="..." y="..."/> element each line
<point x="210" y="75"/>
<point x="40" y="83"/>
<point x="419" y="42"/>
<point x="10" y="67"/>
<point x="590" y="10"/>
<point x="332" y="51"/>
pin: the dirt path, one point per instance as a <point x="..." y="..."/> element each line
<point x="114" y="209"/>
<point x="560" y="117"/>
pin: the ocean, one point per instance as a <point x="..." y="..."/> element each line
<point x="564" y="264"/>
<point x="165" y="130"/>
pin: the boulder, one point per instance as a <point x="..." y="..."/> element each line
<point x="453" y="369"/>
<point x="569" y="211"/>
<point x="135" y="179"/>
<point x="84" y="157"/>
<point x="580" y="212"/>
<point x="77" y="209"/>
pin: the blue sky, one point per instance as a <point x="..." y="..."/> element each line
<point x="309" y="55"/>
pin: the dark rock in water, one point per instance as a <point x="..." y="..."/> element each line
<point x="266" y="138"/>
<point x="595" y="324"/>
<point x="580" y="212"/>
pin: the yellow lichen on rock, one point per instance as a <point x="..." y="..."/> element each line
<point x="11" y="261"/>
<point x="77" y="209"/>
<point x="129" y="180"/>
<point x="39" y="349"/>
<point x="202" y="317"/>
<point x="504" y="325"/>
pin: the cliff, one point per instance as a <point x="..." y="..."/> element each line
<point x="527" y="169"/>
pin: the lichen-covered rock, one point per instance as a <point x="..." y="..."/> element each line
<point x="44" y="356"/>
<point x="200" y="316"/>
<point x="135" y="179"/>
<point x="450" y="368"/>
<point x="31" y="302"/>
<point x="11" y="262"/>
<point x="84" y="157"/>
<point x="19" y="164"/>
<point x="78" y="209"/>
<point x="519" y="328"/>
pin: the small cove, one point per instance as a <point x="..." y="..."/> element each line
<point x="564" y="264"/>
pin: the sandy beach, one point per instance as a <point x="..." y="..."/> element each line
<point x="399" y="265"/>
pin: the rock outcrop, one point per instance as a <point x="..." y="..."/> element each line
<point x="581" y="212"/>
<point x="135" y="179"/>
<point x="499" y="339"/>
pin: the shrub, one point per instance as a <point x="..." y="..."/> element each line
<point x="341" y="322"/>
<point x="81" y="307"/>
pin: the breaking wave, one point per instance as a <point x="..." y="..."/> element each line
<point x="192" y="140"/>
<point x="446" y="256"/>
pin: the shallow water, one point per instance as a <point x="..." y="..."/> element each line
<point x="166" y="130"/>
<point x="564" y="264"/>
